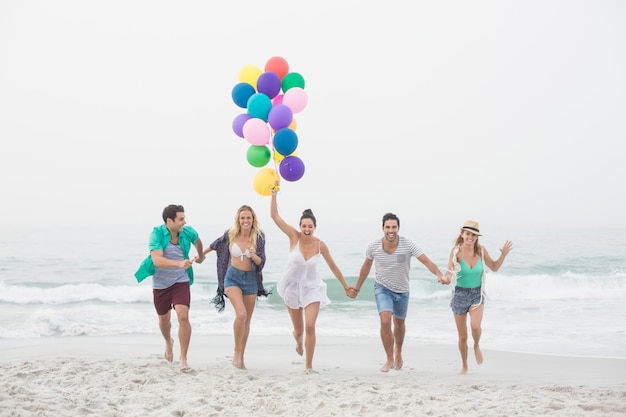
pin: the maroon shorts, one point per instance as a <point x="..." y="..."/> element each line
<point x="166" y="299"/>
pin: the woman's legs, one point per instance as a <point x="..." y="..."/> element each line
<point x="476" y="318"/>
<point x="298" y="327"/>
<point x="244" y="307"/>
<point x="461" y="327"/>
<point x="304" y="320"/>
<point x="310" y="317"/>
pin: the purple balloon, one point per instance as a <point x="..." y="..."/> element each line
<point x="269" y="84"/>
<point x="291" y="168"/>
<point x="238" y="123"/>
<point x="280" y="116"/>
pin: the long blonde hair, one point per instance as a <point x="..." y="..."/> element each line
<point x="236" y="229"/>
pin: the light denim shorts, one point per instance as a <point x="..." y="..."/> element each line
<point x="246" y="280"/>
<point x="387" y="300"/>
<point x="464" y="298"/>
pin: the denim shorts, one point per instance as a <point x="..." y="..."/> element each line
<point x="246" y="280"/>
<point x="464" y="298"/>
<point x="387" y="300"/>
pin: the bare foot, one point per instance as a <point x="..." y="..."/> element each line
<point x="238" y="362"/>
<point x="184" y="366"/>
<point x="299" y="348"/>
<point x="387" y="366"/>
<point x="310" y="371"/>
<point x="463" y="370"/>
<point x="398" y="364"/>
<point x="479" y="355"/>
<point x="169" y="351"/>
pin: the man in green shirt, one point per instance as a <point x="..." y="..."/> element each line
<point x="170" y="267"/>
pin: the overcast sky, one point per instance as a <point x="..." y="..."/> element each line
<point x="510" y="113"/>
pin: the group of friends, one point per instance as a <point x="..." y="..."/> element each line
<point x="241" y="257"/>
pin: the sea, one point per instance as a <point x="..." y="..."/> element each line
<point x="559" y="291"/>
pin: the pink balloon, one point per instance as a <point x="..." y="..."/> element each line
<point x="256" y="131"/>
<point x="277" y="100"/>
<point x="296" y="99"/>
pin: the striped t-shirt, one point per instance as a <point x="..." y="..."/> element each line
<point x="392" y="269"/>
<point x="166" y="277"/>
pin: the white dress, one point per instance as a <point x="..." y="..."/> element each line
<point x="301" y="284"/>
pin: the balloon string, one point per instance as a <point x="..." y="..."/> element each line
<point x="273" y="153"/>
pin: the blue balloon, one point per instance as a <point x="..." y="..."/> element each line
<point x="285" y="141"/>
<point x="241" y="93"/>
<point x="259" y="106"/>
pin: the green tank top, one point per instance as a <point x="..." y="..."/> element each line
<point x="470" y="277"/>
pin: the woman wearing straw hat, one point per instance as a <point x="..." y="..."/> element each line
<point x="466" y="267"/>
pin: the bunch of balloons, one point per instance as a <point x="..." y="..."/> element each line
<point x="271" y="98"/>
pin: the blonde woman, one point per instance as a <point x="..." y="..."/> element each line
<point x="240" y="260"/>
<point x="466" y="266"/>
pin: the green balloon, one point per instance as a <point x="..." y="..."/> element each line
<point x="292" y="79"/>
<point x="258" y="156"/>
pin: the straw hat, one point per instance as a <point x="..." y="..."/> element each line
<point x="472" y="227"/>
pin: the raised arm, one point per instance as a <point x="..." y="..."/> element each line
<point x="495" y="265"/>
<point x="282" y="225"/>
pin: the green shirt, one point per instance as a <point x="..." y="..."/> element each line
<point x="470" y="277"/>
<point x="159" y="239"/>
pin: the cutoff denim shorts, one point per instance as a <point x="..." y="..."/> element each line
<point x="464" y="298"/>
<point x="387" y="300"/>
<point x="246" y="280"/>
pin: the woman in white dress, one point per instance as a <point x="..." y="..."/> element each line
<point x="301" y="288"/>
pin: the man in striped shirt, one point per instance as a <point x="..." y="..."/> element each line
<point x="392" y="255"/>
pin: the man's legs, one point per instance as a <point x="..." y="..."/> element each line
<point x="165" y="325"/>
<point x="398" y="335"/>
<point x="184" y="334"/>
<point x="387" y="337"/>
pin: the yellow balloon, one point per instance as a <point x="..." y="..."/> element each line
<point x="279" y="157"/>
<point x="293" y="124"/>
<point x="250" y="74"/>
<point x="264" y="181"/>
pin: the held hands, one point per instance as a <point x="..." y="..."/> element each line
<point x="351" y="292"/>
<point x="445" y="279"/>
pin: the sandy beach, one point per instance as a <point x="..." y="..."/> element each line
<point x="127" y="376"/>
